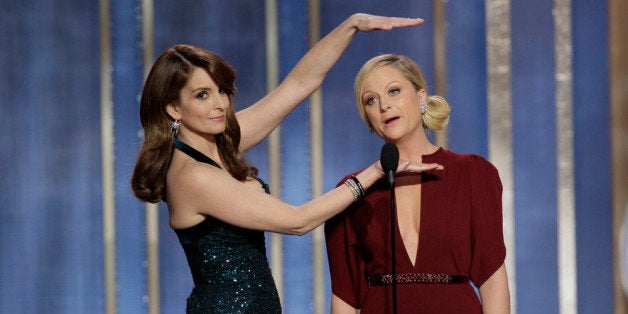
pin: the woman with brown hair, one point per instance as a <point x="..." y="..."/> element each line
<point x="192" y="159"/>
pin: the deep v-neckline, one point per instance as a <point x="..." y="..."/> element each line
<point x="398" y="230"/>
<point x="405" y="249"/>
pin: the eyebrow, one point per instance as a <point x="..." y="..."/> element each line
<point x="364" y="92"/>
<point x="198" y="89"/>
<point x="393" y="82"/>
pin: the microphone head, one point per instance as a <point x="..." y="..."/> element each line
<point x="389" y="157"/>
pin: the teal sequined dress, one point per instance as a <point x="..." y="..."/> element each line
<point x="228" y="264"/>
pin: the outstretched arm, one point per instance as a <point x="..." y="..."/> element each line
<point x="203" y="190"/>
<point x="258" y="120"/>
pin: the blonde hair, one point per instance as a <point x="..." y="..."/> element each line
<point x="437" y="115"/>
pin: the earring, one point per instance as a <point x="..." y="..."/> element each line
<point x="175" y="127"/>
<point x="423" y="107"/>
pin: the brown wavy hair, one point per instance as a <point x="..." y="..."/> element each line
<point x="163" y="85"/>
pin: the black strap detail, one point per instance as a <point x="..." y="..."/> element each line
<point x="198" y="156"/>
<point x="264" y="185"/>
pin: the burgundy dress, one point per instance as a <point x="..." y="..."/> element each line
<point x="460" y="235"/>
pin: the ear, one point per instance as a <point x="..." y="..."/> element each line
<point x="422" y="94"/>
<point x="173" y="111"/>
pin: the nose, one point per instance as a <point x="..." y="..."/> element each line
<point x="383" y="105"/>
<point x="223" y="101"/>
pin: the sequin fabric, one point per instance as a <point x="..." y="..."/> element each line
<point x="229" y="268"/>
<point x="229" y="265"/>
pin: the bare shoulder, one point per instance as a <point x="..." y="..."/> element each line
<point x="187" y="175"/>
<point x="190" y="187"/>
<point x="197" y="190"/>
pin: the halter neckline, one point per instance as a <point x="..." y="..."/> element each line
<point x="200" y="157"/>
<point x="195" y="154"/>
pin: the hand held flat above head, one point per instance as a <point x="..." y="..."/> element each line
<point x="367" y="22"/>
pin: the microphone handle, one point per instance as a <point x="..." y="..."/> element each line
<point x="393" y="245"/>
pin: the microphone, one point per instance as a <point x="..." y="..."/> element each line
<point x="390" y="160"/>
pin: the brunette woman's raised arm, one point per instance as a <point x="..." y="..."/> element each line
<point x="258" y="120"/>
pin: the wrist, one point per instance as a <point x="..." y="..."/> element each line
<point x="369" y="176"/>
<point x="354" y="21"/>
<point x="354" y="184"/>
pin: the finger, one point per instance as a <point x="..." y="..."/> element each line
<point x="418" y="167"/>
<point x="433" y="166"/>
<point x="388" y="23"/>
<point x="402" y="21"/>
<point x="394" y="22"/>
<point x="403" y="164"/>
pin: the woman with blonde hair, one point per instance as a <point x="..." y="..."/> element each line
<point x="448" y="223"/>
<point x="192" y="158"/>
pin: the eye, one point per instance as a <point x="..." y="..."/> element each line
<point x="370" y="101"/>
<point x="394" y="91"/>
<point x="202" y="95"/>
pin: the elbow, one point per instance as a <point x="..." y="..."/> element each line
<point x="301" y="228"/>
<point x="299" y="231"/>
<point x="299" y="222"/>
<point x="309" y="84"/>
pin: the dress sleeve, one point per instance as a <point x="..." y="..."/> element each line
<point x="487" y="240"/>
<point x="346" y="268"/>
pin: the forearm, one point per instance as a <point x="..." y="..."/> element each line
<point x="317" y="211"/>
<point x="311" y="70"/>
<point x="495" y="294"/>
<point x="285" y="218"/>
<point x="312" y="214"/>
<point x="258" y="120"/>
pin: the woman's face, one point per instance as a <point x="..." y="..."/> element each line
<point x="203" y="105"/>
<point x="392" y="104"/>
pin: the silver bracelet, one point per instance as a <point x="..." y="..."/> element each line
<point x="355" y="187"/>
